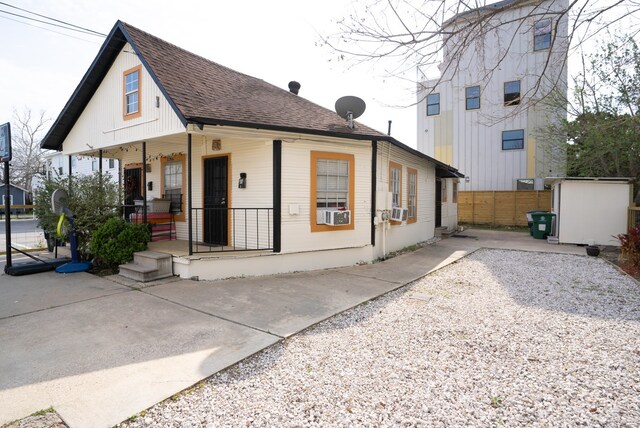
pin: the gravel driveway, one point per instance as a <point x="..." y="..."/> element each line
<point x="499" y="338"/>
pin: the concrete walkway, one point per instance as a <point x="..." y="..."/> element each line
<point x="99" y="352"/>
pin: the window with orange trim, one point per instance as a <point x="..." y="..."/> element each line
<point x="412" y="195"/>
<point x="395" y="183"/>
<point x="173" y="180"/>
<point x="131" y="92"/>
<point x="332" y="187"/>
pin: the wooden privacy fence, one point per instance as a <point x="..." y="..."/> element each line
<point x="501" y="208"/>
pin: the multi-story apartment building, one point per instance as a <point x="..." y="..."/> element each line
<point x="502" y="83"/>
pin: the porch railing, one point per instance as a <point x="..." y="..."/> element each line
<point x="231" y="229"/>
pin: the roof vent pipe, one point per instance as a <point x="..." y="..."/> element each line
<point x="294" y="87"/>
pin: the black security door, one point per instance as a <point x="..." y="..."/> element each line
<point x="215" y="201"/>
<point x="132" y="189"/>
<point x="438" y="202"/>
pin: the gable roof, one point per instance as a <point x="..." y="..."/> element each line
<point x="201" y="91"/>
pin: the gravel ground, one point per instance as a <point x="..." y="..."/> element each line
<point x="499" y="338"/>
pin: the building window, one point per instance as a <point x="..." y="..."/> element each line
<point x="173" y="184"/>
<point x="513" y="140"/>
<point x="542" y="34"/>
<point x="94" y="164"/>
<point x="112" y="163"/>
<point x="512" y="93"/>
<point x="332" y="187"/>
<point x="454" y="189"/>
<point x="525" y="184"/>
<point x="60" y="170"/>
<point x="472" y="95"/>
<point x="4" y="200"/>
<point x="412" y="195"/>
<point x="132" y="92"/>
<point x="433" y="104"/>
<point x="395" y="183"/>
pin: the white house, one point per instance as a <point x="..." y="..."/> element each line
<point x="58" y="165"/>
<point x="487" y="111"/>
<point x="256" y="179"/>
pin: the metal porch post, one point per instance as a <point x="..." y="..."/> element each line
<point x="144" y="182"/>
<point x="189" y="195"/>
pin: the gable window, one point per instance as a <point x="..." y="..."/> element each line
<point x="513" y="140"/>
<point x="512" y="93"/>
<point x="173" y="183"/>
<point x="472" y="95"/>
<point x="412" y="195"/>
<point x="433" y="104"/>
<point x="332" y="188"/>
<point x="395" y="184"/>
<point x="542" y="34"/>
<point x="131" y="96"/>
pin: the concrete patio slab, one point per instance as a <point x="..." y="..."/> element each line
<point x="31" y="293"/>
<point x="99" y="361"/>
<point x="280" y="304"/>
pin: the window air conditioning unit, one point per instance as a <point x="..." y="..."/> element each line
<point x="399" y="214"/>
<point x="337" y="218"/>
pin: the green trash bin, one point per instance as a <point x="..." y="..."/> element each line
<point x="530" y="219"/>
<point x="542" y="224"/>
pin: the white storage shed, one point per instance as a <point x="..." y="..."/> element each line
<point x="590" y="211"/>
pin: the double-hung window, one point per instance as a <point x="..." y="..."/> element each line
<point x="512" y="93"/>
<point x="513" y="140"/>
<point x="472" y="97"/>
<point x="132" y="92"/>
<point x="395" y="184"/>
<point x="332" y="187"/>
<point x="412" y="195"/>
<point x="542" y="34"/>
<point x="433" y="104"/>
<point x="172" y="183"/>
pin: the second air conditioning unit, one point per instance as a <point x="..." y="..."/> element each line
<point x="399" y="214"/>
<point x="337" y="217"/>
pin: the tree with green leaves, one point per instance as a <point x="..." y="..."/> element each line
<point x="604" y="127"/>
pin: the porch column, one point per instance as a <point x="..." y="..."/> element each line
<point x="144" y="182"/>
<point x="374" y="184"/>
<point x="277" y="196"/>
<point x="70" y="169"/>
<point x="189" y="195"/>
<point x="100" y="161"/>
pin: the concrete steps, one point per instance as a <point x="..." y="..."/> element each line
<point x="148" y="266"/>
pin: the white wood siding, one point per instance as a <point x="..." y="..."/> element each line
<point x="405" y="234"/>
<point x="102" y="125"/>
<point x="471" y="141"/>
<point x="296" y="185"/>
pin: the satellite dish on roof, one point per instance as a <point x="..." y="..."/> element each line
<point x="349" y="108"/>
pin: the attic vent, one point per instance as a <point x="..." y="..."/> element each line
<point x="294" y="87"/>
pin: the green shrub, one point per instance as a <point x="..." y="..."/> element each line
<point x="115" y="241"/>
<point x="92" y="199"/>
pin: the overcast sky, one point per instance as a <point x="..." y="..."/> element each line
<point x="273" y="40"/>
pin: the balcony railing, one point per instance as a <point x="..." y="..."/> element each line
<point x="231" y="229"/>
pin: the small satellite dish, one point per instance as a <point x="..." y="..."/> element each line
<point x="349" y="108"/>
<point x="59" y="199"/>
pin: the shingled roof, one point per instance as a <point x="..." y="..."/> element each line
<point x="201" y="91"/>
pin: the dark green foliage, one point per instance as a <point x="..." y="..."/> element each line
<point x="92" y="199"/>
<point x="115" y="241"/>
